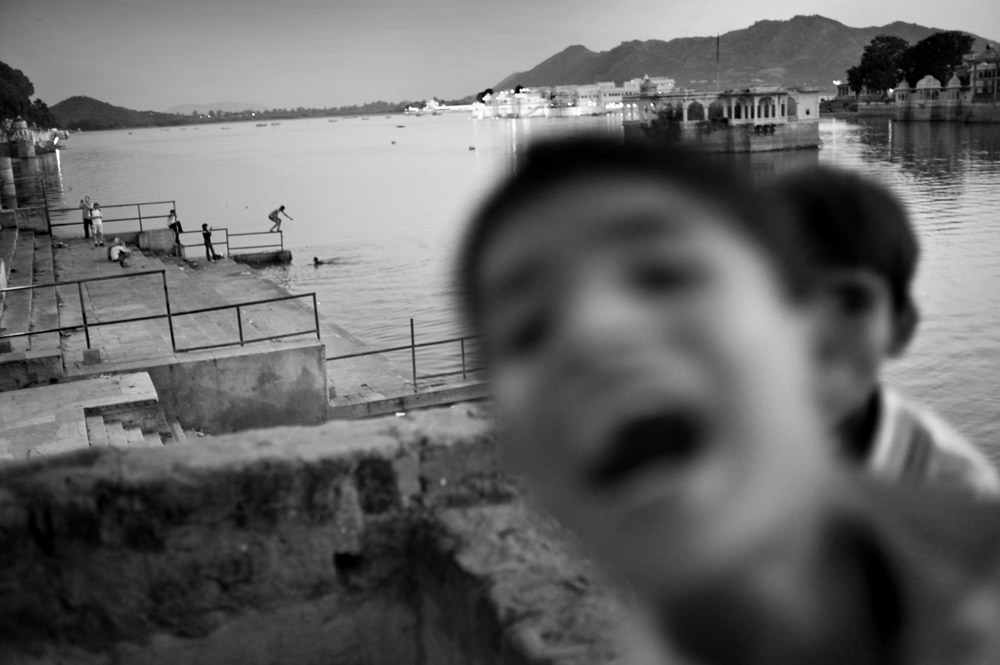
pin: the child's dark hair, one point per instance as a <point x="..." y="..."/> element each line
<point x="547" y="165"/>
<point x="843" y="220"/>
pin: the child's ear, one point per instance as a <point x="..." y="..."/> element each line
<point x="904" y="325"/>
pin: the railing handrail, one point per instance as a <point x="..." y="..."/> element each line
<point x="168" y="314"/>
<point x="250" y="303"/>
<point x="405" y="347"/>
<point x="117" y="205"/>
<point x="412" y="348"/>
<point x="82" y="280"/>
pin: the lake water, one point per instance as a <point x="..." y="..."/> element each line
<point x="386" y="203"/>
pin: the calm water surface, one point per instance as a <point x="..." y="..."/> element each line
<point x="387" y="203"/>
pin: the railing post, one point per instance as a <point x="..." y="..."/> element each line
<point x="413" y="355"/>
<point x="316" y="315"/>
<point x="138" y="208"/>
<point x="170" y="319"/>
<point x="463" y="357"/>
<point x="48" y="219"/>
<point x="239" y="322"/>
<point x="281" y="238"/>
<point x="83" y="311"/>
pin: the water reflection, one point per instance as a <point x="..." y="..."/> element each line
<point x="946" y="174"/>
<point x="38" y="179"/>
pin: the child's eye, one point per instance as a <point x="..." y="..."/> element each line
<point x="854" y="299"/>
<point x="661" y="277"/>
<point x="525" y="337"/>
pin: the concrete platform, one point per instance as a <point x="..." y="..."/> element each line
<point x="53" y="419"/>
<point x="192" y="286"/>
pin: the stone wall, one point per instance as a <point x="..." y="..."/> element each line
<point x="235" y="389"/>
<point x="30" y="218"/>
<point x="384" y="541"/>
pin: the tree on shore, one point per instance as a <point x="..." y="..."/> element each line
<point x="938" y="55"/>
<point x="881" y="65"/>
<point x="16" y="90"/>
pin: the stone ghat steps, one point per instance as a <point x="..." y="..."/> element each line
<point x="108" y="412"/>
<point x="44" y="309"/>
<point x="16" y="315"/>
<point x="102" y="433"/>
<point x="29" y="258"/>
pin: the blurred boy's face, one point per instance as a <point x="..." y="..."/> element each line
<point x="857" y="334"/>
<point x="650" y="378"/>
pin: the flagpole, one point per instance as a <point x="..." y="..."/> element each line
<point x="718" y="38"/>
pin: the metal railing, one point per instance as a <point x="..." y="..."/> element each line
<point x="239" y="321"/>
<point x="169" y="315"/>
<point x="280" y="244"/>
<point x="87" y="325"/>
<point x="113" y="220"/>
<point x="230" y="248"/>
<point x="201" y="241"/>
<point x="412" y="348"/>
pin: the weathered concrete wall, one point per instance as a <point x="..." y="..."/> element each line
<point x="157" y="240"/>
<point x="710" y="137"/>
<point x="235" y="389"/>
<point x="26" y="218"/>
<point x="946" y="110"/>
<point x="876" y="109"/>
<point x="22" y="369"/>
<point x="262" y="258"/>
<point x="384" y="541"/>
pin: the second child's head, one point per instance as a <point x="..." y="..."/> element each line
<point x="859" y="241"/>
<point x="204" y="227"/>
<point x="648" y="355"/>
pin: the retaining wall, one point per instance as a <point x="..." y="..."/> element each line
<point x="383" y="541"/>
<point x="234" y="389"/>
<point x="29" y="218"/>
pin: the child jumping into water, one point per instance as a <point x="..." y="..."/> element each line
<point x="275" y="217"/>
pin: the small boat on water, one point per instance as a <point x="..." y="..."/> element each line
<point x="261" y="124"/>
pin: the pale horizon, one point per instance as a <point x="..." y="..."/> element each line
<point x="149" y="55"/>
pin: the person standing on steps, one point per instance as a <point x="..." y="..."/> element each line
<point x="97" y="220"/>
<point x="275" y="217"/>
<point x="174" y="225"/>
<point x="206" y="234"/>
<point x="86" y="209"/>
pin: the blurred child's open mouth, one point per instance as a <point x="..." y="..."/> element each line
<point x="669" y="438"/>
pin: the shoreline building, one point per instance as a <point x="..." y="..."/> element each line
<point x="753" y="119"/>
<point x="954" y="101"/>
<point x="567" y="101"/>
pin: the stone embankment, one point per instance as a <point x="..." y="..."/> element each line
<point x="123" y="540"/>
<point x="396" y="541"/>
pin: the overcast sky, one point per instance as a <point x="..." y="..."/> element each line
<point x="153" y="54"/>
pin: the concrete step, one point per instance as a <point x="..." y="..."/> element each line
<point x="44" y="309"/>
<point x="97" y="432"/>
<point x="177" y="433"/>
<point x="116" y="435"/>
<point x="8" y="239"/>
<point x="152" y="440"/>
<point x="16" y="315"/>
<point x="134" y="437"/>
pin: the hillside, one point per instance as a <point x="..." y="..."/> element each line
<point x="89" y="114"/>
<point x="804" y="50"/>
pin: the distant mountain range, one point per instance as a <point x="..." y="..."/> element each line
<point x="89" y="114"/>
<point x="804" y="50"/>
<point x="228" y="107"/>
